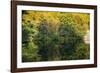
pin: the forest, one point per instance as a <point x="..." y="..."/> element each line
<point x="54" y="36"/>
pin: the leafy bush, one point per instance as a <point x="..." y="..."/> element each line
<point x="49" y="36"/>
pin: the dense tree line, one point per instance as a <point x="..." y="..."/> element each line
<point x="49" y="36"/>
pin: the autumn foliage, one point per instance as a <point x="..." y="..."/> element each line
<point x="54" y="36"/>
